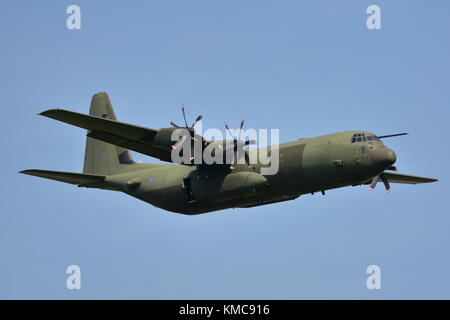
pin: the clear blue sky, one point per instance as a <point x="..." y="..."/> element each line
<point x="305" y="67"/>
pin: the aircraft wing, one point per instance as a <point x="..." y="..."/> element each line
<point x="80" y="179"/>
<point x="128" y="136"/>
<point x="404" y="178"/>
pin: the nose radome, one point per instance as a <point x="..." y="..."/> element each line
<point x="391" y="156"/>
<point x="383" y="157"/>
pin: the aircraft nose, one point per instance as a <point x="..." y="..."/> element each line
<point x="383" y="157"/>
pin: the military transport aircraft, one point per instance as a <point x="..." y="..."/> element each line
<point x="307" y="165"/>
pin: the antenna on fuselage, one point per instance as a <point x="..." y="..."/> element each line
<point x="393" y="135"/>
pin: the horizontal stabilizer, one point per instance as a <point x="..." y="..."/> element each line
<point x="404" y="178"/>
<point x="80" y="179"/>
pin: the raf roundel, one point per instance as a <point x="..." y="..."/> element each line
<point x="151" y="179"/>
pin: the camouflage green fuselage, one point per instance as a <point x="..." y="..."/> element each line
<point x="306" y="165"/>
<point x="298" y="167"/>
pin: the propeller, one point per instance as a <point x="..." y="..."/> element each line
<point x="383" y="178"/>
<point x="238" y="145"/>
<point x="187" y="127"/>
<point x="190" y="129"/>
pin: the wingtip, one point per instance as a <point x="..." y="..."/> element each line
<point x="47" y="112"/>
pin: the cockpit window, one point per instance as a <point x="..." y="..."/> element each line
<point x="361" y="137"/>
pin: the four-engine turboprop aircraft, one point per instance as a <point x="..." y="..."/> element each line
<point x="305" y="166"/>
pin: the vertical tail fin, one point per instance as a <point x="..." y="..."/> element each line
<point x="101" y="157"/>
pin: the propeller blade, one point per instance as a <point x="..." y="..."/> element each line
<point x="374" y="183"/>
<point x="229" y="131"/>
<point x="240" y="129"/>
<point x="234" y="164"/>
<point x="184" y="115"/>
<point x="247" y="159"/>
<point x="200" y="117"/>
<point x="386" y="182"/>
<point x="173" y="124"/>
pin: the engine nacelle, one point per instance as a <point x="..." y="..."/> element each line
<point x="163" y="137"/>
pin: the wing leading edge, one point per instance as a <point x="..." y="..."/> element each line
<point x="408" y="179"/>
